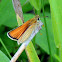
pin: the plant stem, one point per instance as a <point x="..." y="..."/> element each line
<point x="18" y="53"/>
<point x="47" y="33"/>
<point x="5" y="48"/>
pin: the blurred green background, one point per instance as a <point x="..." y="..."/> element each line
<point x="45" y="44"/>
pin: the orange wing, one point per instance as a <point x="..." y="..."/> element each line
<point x="16" y="33"/>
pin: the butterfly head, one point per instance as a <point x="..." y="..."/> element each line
<point x="37" y="17"/>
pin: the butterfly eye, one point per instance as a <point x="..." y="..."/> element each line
<point x="38" y="18"/>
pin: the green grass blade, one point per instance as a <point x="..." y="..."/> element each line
<point x="56" y="14"/>
<point x="32" y="55"/>
<point x="47" y="33"/>
<point x="5" y="48"/>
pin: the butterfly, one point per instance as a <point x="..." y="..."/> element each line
<point x="23" y="32"/>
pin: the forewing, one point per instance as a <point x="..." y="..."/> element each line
<point x="16" y="33"/>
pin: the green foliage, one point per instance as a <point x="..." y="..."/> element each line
<point x="8" y="21"/>
<point x="3" y="57"/>
<point x="56" y="14"/>
<point x="27" y="9"/>
<point x="7" y="14"/>
<point x="36" y="4"/>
